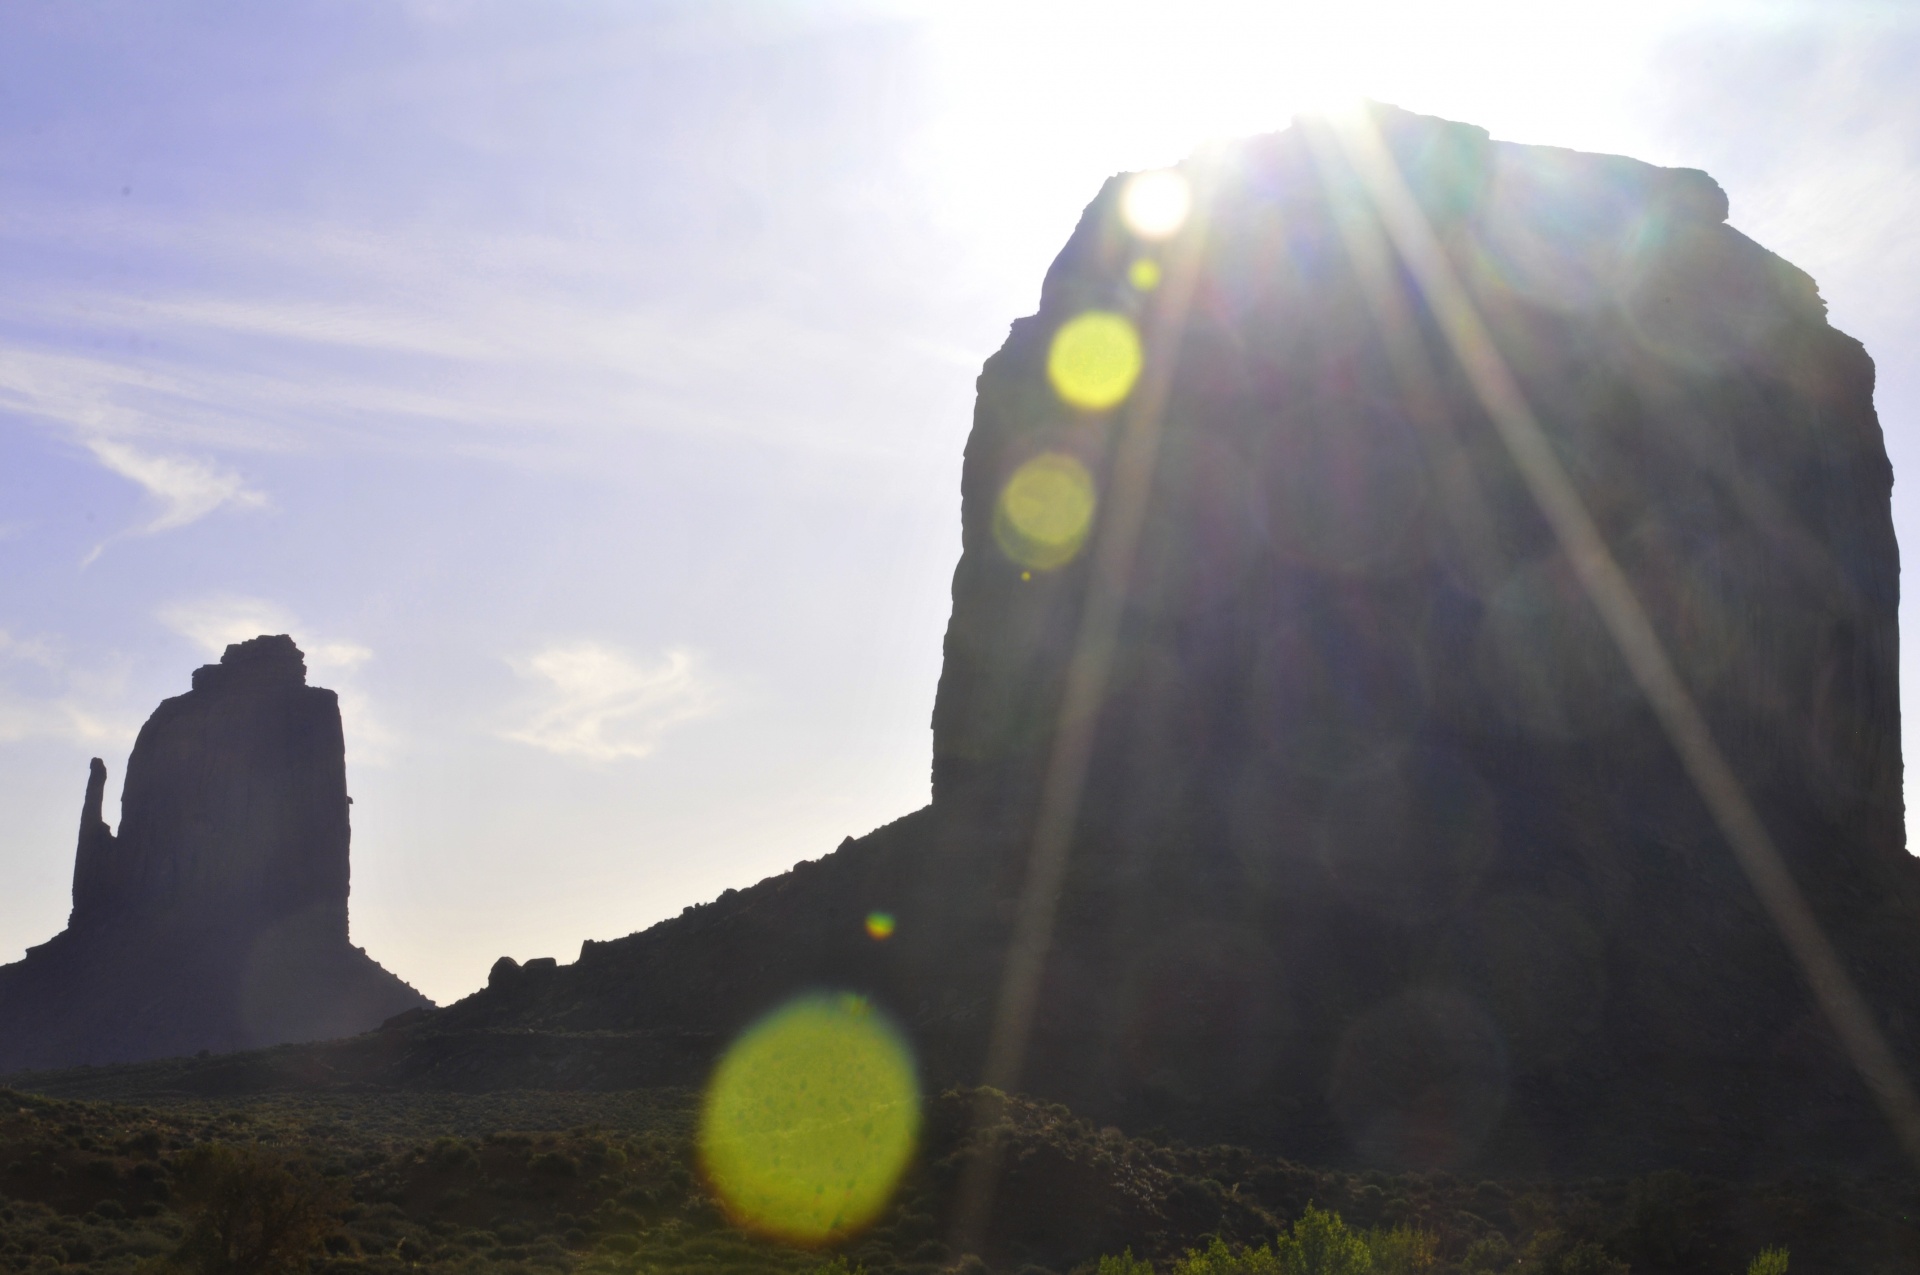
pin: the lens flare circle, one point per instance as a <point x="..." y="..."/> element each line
<point x="1045" y="512"/>
<point x="1155" y="204"/>
<point x="1144" y="274"/>
<point x="1094" y="360"/>
<point x="810" y="1119"/>
<point x="879" y="926"/>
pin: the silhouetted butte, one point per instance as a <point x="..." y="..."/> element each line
<point x="217" y="918"/>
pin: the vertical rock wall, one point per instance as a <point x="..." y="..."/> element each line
<point x="235" y="800"/>
<point x="1370" y="783"/>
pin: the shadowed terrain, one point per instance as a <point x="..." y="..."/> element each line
<point x="606" y="1183"/>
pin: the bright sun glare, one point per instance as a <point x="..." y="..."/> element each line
<point x="1155" y="204"/>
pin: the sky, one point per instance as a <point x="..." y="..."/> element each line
<point x="584" y="385"/>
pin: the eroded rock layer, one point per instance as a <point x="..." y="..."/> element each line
<point x="217" y="918"/>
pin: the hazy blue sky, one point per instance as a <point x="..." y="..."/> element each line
<point x="584" y="385"/>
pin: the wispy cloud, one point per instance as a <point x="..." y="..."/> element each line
<point x="100" y="402"/>
<point x="602" y="705"/>
<point x="188" y="490"/>
<point x="215" y="622"/>
<point x="44" y="695"/>
<point x="514" y="344"/>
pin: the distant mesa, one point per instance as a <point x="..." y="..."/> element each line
<point x="217" y="918"/>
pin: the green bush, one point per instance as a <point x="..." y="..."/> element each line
<point x="1488" y="1253"/>
<point x="1320" y="1243"/>
<point x="1772" y="1261"/>
<point x="1404" y="1250"/>
<point x="1125" y="1264"/>
<point x="554" y="1165"/>
<point x="249" y="1212"/>
<point x="1552" y="1252"/>
<point x="838" y="1265"/>
<point x="1218" y="1259"/>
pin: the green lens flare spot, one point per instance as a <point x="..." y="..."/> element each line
<point x="1094" y="360"/>
<point x="879" y="926"/>
<point x="810" y="1119"/>
<point x="1144" y="274"/>
<point x="1045" y="512"/>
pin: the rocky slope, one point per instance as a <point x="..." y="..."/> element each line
<point x="217" y="918"/>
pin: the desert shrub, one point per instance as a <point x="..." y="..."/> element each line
<point x="554" y="1164"/>
<point x="248" y="1212"/>
<point x="1219" y="1259"/>
<point x="837" y="1265"/>
<point x="1771" y="1261"/>
<point x="1404" y="1250"/>
<point x="1666" y="1215"/>
<point x="1322" y="1244"/>
<point x="452" y="1155"/>
<point x="1488" y="1253"/>
<point x="1124" y="1264"/>
<point x="1553" y="1252"/>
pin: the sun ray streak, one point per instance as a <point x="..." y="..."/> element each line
<point x="1116" y="540"/>
<point x="1463" y="502"/>
<point x="1626" y="620"/>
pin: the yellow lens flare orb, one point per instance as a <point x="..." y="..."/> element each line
<point x="1045" y="512"/>
<point x="879" y="926"/>
<point x="1144" y="274"/>
<point x="1094" y="360"/>
<point x="810" y="1120"/>
<point x="1155" y="205"/>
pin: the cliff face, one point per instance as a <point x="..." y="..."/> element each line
<point x="1377" y="852"/>
<point x="1375" y="820"/>
<point x="1339" y="559"/>
<point x="217" y="918"/>
<point x="235" y="803"/>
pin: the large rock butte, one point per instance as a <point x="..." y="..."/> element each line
<point x="1380" y="855"/>
<point x="217" y="918"/>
